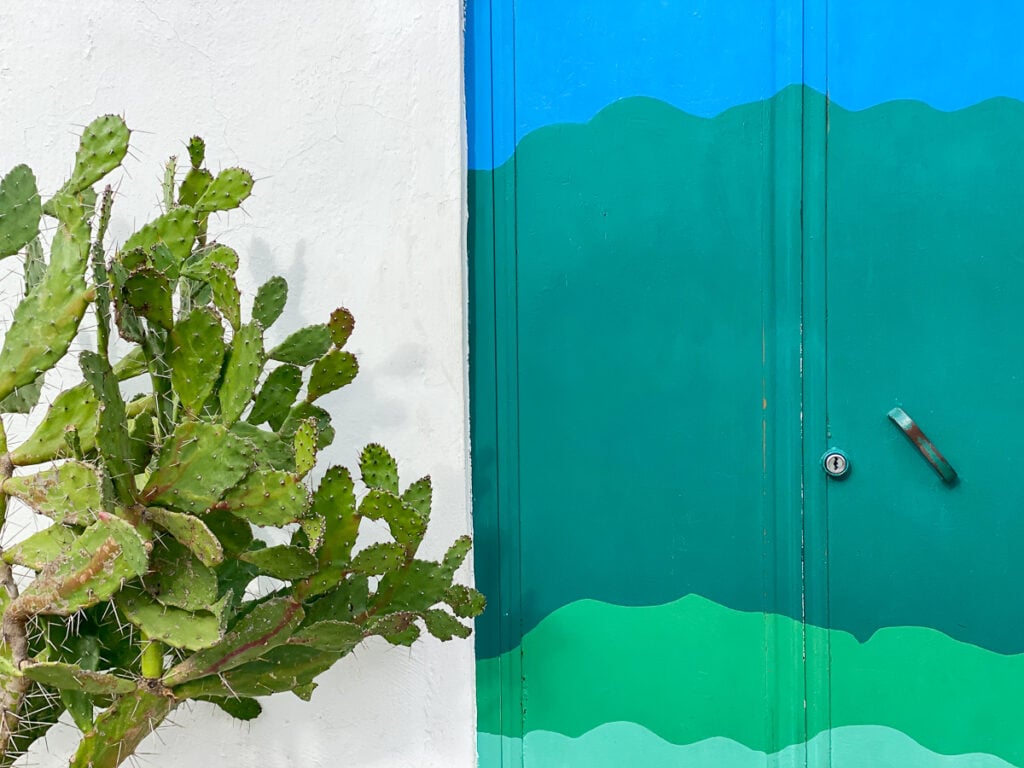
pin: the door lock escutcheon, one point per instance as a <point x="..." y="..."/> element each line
<point x="835" y="463"/>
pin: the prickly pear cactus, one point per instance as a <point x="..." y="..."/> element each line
<point x="139" y="595"/>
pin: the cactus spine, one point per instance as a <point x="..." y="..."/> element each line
<point x="139" y="592"/>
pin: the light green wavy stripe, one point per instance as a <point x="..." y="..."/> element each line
<point x="692" y="669"/>
<point x="628" y="745"/>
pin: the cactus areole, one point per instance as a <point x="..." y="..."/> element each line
<point x="139" y="593"/>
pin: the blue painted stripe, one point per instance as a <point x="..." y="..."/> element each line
<point x="565" y="61"/>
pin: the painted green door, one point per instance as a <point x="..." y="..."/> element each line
<point x="691" y="274"/>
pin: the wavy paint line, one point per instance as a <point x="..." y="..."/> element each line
<point x="704" y="57"/>
<point x="614" y="745"/>
<point x="693" y="669"/>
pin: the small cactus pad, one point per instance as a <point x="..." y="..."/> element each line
<point x="228" y="190"/>
<point x="69" y="493"/>
<point x="196" y="151"/>
<point x="267" y="498"/>
<point x="190" y="532"/>
<point x="304" y="346"/>
<point x="108" y="553"/>
<point x="103" y="146"/>
<point x="418" y="496"/>
<point x="20" y="210"/>
<point x="379" y="468"/>
<point x="196" y="466"/>
<point x="266" y="626"/>
<point x="195" y="357"/>
<point x="333" y="371"/>
<point x="46" y="321"/>
<point x="120" y="729"/>
<point x="192" y="630"/>
<point x="40" y="548"/>
<point x="245" y="363"/>
<point x="175" y="229"/>
<point x="282" y="562"/>
<point x="270" y="300"/>
<point x="276" y="396"/>
<point x="443" y="625"/>
<point x="416" y="587"/>
<point x="305" y="447"/>
<point x="68" y="676"/>
<point x="341" y="324"/>
<point x="378" y="559"/>
<point x="195" y="183"/>
<point x="178" y="579"/>
<point x="465" y="601"/>
<point x="334" y="503"/>
<point x="334" y="636"/>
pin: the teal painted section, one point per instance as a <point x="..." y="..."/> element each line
<point x="617" y="744"/>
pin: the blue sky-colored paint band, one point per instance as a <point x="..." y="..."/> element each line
<point x="574" y="57"/>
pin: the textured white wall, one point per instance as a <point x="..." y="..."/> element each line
<point x="349" y="114"/>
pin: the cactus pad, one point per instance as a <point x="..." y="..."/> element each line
<point x="418" y="496"/>
<point x="378" y="559"/>
<point x="333" y="371"/>
<point x="108" y="553"/>
<point x="103" y="146"/>
<point x="228" y="190"/>
<point x="245" y="363"/>
<point x="334" y="503"/>
<point x="304" y="346"/>
<point x="274" y="402"/>
<point x="196" y="466"/>
<point x="283" y="668"/>
<point x="195" y="183"/>
<point x="46" y="321"/>
<point x="266" y="626"/>
<point x="69" y="493"/>
<point x="75" y="407"/>
<point x="282" y="562"/>
<point x="443" y="625"/>
<point x="305" y="447"/>
<point x="192" y="630"/>
<point x="20" y="210"/>
<point x="40" y="548"/>
<point x="175" y="229"/>
<point x="270" y="300"/>
<point x="267" y="498"/>
<point x="464" y="601"/>
<point x="190" y="532"/>
<point x="68" y="676"/>
<point x="195" y="357"/>
<point x="341" y="324"/>
<point x="379" y="468"/>
<point x="239" y="708"/>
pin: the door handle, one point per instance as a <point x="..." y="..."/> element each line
<point x="927" y="448"/>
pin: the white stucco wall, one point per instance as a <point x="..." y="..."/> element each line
<point x="350" y="116"/>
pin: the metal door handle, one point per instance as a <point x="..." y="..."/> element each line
<point x="927" y="448"/>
